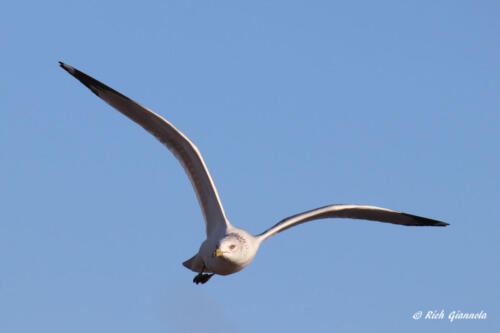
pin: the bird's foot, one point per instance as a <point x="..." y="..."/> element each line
<point x="202" y="278"/>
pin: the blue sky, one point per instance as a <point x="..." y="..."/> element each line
<point x="294" y="105"/>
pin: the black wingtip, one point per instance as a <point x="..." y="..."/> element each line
<point x="441" y="224"/>
<point x="67" y="68"/>
<point x="436" y="223"/>
<point x="91" y="83"/>
<point x="63" y="65"/>
<point x="423" y="221"/>
<point x="88" y="81"/>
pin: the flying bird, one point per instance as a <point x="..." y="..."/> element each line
<point x="227" y="249"/>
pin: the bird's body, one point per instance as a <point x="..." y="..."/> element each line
<point x="227" y="249"/>
<point x="238" y="248"/>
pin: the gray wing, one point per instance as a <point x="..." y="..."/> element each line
<point x="371" y="213"/>
<point x="183" y="149"/>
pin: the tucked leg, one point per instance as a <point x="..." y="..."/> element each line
<point x="202" y="278"/>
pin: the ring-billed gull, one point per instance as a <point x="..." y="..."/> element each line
<point x="227" y="249"/>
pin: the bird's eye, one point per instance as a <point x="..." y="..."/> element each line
<point x="232" y="246"/>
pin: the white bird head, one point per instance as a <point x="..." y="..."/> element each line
<point x="229" y="246"/>
<point x="236" y="247"/>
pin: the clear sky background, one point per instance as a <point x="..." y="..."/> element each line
<point x="294" y="105"/>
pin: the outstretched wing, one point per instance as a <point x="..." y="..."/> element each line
<point x="185" y="151"/>
<point x="371" y="213"/>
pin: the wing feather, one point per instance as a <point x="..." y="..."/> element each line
<point x="184" y="150"/>
<point x="371" y="213"/>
